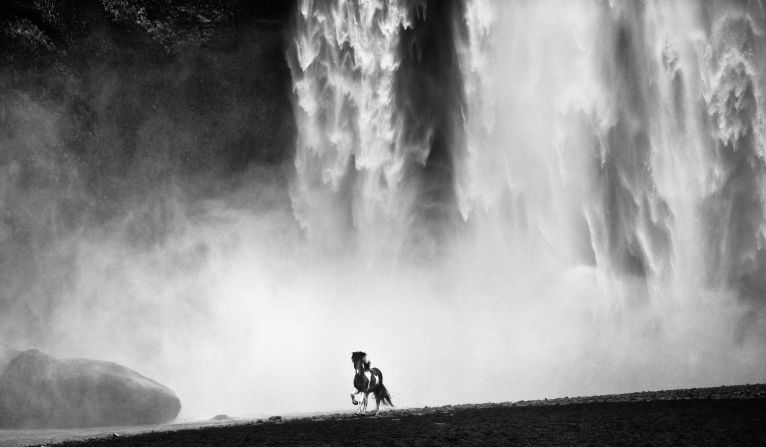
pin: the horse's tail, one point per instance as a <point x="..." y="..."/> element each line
<point x="383" y="395"/>
<point x="381" y="392"/>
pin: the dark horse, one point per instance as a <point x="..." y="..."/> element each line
<point x="368" y="380"/>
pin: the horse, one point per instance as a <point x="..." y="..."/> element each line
<point x="368" y="380"/>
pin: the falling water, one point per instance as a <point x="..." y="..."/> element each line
<point x="627" y="136"/>
<point x="598" y="167"/>
<point x="351" y="158"/>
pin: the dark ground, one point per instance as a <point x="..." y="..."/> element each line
<point x="711" y="416"/>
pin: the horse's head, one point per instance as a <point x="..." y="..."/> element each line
<point x="359" y="359"/>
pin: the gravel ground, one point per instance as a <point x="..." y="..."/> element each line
<point x="733" y="415"/>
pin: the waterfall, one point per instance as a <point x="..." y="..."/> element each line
<point x="627" y="135"/>
<point x="350" y="157"/>
<point x="622" y="136"/>
<point x="590" y="173"/>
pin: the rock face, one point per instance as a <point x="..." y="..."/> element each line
<point x="38" y="391"/>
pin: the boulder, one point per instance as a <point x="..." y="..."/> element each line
<point x="40" y="391"/>
<point x="221" y="417"/>
<point x="7" y="354"/>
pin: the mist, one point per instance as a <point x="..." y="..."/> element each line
<point x="496" y="201"/>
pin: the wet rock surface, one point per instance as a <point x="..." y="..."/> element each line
<point x="39" y="391"/>
<point x="733" y="415"/>
<point x="107" y="106"/>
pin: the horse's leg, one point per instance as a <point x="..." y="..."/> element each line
<point x="366" y="395"/>
<point x="360" y="410"/>
<point x="353" y="399"/>
<point x="362" y="402"/>
<point x="377" y="404"/>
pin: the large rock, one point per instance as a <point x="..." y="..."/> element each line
<point x="37" y="390"/>
<point x="6" y="355"/>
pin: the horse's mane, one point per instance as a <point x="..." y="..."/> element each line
<point x="360" y="356"/>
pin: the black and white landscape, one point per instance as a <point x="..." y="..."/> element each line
<point x="218" y="201"/>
